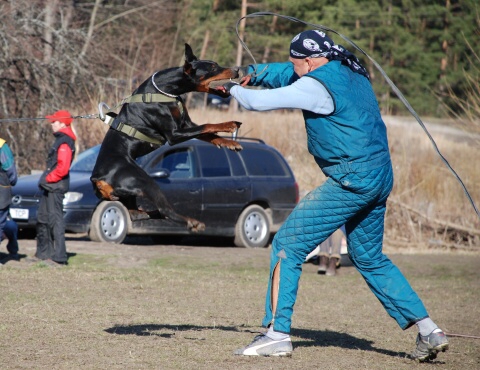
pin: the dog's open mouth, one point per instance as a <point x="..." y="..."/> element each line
<point x="217" y="83"/>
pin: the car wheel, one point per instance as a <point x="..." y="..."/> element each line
<point x="109" y="223"/>
<point x="253" y="228"/>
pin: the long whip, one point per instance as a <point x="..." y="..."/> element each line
<point x="384" y="74"/>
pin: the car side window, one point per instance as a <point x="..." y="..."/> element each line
<point x="214" y="162"/>
<point x="178" y="162"/>
<point x="261" y="162"/>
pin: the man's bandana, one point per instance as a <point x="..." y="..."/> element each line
<point x="316" y="44"/>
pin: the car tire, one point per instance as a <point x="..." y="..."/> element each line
<point x="252" y="229"/>
<point x="109" y="223"/>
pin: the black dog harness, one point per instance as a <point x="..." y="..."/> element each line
<point x="109" y="118"/>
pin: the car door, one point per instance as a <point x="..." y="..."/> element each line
<point x="183" y="187"/>
<point x="226" y="188"/>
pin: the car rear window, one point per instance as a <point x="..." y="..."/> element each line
<point x="263" y="162"/>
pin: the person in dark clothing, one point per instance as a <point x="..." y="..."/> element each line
<point x="8" y="178"/>
<point x="55" y="182"/>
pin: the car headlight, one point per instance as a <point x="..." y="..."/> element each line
<point x="71" y="197"/>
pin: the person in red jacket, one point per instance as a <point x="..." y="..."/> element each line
<point x="54" y="183"/>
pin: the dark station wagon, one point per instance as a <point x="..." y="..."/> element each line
<point x="246" y="195"/>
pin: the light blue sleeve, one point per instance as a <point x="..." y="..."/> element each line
<point x="306" y="93"/>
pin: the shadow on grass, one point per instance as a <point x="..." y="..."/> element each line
<point x="308" y="338"/>
<point x="4" y="257"/>
<point x="164" y="331"/>
<point x="327" y="338"/>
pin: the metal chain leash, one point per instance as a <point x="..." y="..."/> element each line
<point x="88" y="116"/>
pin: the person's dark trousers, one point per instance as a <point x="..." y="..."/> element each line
<point x="51" y="228"/>
<point x="3" y="219"/>
<point x="11" y="232"/>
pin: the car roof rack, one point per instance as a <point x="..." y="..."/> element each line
<point x="245" y="138"/>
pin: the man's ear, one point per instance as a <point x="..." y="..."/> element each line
<point x="189" y="59"/>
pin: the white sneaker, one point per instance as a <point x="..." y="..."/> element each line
<point x="264" y="346"/>
<point x="428" y="346"/>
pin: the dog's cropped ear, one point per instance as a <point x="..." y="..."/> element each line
<point x="189" y="59"/>
<point x="189" y="56"/>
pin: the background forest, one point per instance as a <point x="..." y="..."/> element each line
<point x="73" y="54"/>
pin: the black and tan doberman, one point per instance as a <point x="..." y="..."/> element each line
<point x="153" y="115"/>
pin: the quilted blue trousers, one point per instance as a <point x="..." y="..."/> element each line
<point x="356" y="200"/>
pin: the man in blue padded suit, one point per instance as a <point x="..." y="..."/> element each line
<point x="348" y="139"/>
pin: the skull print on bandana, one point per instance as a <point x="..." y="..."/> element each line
<point x="316" y="44"/>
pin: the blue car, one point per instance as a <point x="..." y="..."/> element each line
<point x="245" y="195"/>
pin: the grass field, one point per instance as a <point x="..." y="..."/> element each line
<point x="189" y="307"/>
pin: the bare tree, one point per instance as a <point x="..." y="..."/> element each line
<point x="59" y="54"/>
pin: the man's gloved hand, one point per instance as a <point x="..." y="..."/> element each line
<point x="226" y="87"/>
<point x="242" y="71"/>
<point x="244" y="76"/>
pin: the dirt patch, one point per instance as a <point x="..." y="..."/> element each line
<point x="144" y="306"/>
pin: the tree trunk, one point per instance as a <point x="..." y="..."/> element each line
<point x="266" y="52"/>
<point x="444" y="59"/>
<point x="241" y="31"/>
<point x="91" y="27"/>
<point x="50" y="10"/>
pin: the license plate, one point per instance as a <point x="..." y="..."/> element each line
<point x="19" y="213"/>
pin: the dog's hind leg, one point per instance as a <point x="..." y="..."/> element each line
<point x="104" y="189"/>
<point x="149" y="189"/>
<point x="154" y="194"/>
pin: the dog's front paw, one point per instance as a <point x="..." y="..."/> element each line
<point x="233" y="145"/>
<point x="233" y="126"/>
<point x="195" y="226"/>
<point x="227" y="143"/>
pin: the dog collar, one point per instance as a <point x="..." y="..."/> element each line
<point x="160" y="91"/>
<point x="148" y="98"/>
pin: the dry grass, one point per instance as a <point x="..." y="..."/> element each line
<point x="189" y="307"/>
<point x="425" y="190"/>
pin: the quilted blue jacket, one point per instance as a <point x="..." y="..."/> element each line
<point x="353" y="137"/>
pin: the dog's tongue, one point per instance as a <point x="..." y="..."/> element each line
<point x="217" y="83"/>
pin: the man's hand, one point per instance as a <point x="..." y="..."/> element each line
<point x="226" y="87"/>
<point x="245" y="80"/>
<point x="244" y="76"/>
